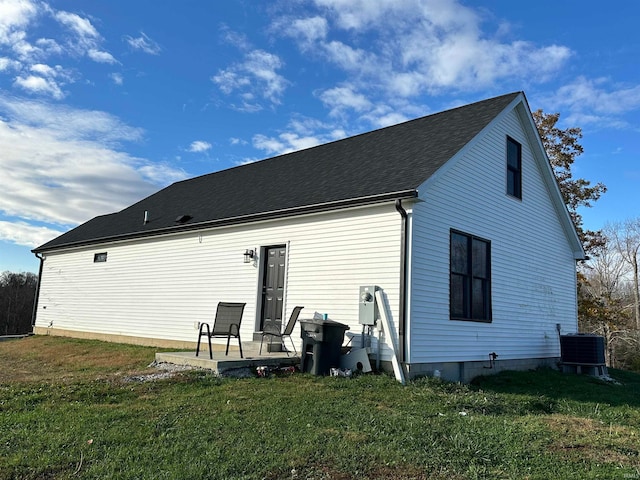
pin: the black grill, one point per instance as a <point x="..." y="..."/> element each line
<point x="582" y="349"/>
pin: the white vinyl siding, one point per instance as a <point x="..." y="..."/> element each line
<point x="159" y="287"/>
<point x="532" y="264"/>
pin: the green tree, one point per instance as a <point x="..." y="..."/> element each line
<point x="563" y="147"/>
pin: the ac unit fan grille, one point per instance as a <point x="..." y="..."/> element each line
<point x="582" y="349"/>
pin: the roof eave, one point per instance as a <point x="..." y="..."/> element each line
<point x="271" y="215"/>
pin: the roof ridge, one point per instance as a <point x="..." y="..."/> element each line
<point x="350" y="137"/>
<point x="370" y="165"/>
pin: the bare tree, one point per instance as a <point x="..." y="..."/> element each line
<point x="17" y="294"/>
<point x="625" y="237"/>
<point x="606" y="271"/>
<point x="603" y="299"/>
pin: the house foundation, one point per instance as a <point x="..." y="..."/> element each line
<point x="464" y="372"/>
<point x="115" y="338"/>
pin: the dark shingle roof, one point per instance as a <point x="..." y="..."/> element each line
<point x="386" y="163"/>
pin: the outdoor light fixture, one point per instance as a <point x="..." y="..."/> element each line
<point x="248" y="255"/>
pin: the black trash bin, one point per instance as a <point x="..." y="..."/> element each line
<point x="321" y="345"/>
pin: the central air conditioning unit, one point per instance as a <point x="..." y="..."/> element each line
<point x="582" y="349"/>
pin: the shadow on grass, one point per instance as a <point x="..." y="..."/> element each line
<point x="561" y="386"/>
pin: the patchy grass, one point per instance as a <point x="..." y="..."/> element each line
<point x="54" y="359"/>
<point x="78" y="417"/>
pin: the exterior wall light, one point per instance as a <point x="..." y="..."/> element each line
<point x="249" y="255"/>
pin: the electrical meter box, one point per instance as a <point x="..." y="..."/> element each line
<point x="368" y="311"/>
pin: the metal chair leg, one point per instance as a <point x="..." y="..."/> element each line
<point x="293" y="345"/>
<point x="200" y="338"/>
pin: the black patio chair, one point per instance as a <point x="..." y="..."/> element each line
<point x="226" y="324"/>
<point x="272" y="329"/>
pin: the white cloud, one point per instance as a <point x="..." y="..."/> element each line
<point x="43" y="69"/>
<point x="15" y="15"/>
<point x="66" y="123"/>
<point x="39" y="85"/>
<point x="82" y="27"/>
<point x="60" y="168"/>
<point x="307" y="30"/>
<point x="301" y="133"/>
<point x="286" y="142"/>
<point x="382" y="117"/>
<point x="100" y="56"/>
<point x="415" y="47"/>
<point x="7" y="63"/>
<point x="88" y="39"/>
<point x="356" y="14"/>
<point x="24" y="50"/>
<point x="49" y="46"/>
<point x="25" y="53"/>
<point x="599" y="96"/>
<point x="247" y="161"/>
<point x="22" y="233"/>
<point x="144" y="44"/>
<point x="337" y="134"/>
<point x="228" y="80"/>
<point x="269" y="145"/>
<point x="350" y="59"/>
<point x="117" y="78"/>
<point x="199" y="146"/>
<point x="234" y="38"/>
<point x="255" y="76"/>
<point x="160" y="173"/>
<point x="596" y="102"/>
<point x="340" y="98"/>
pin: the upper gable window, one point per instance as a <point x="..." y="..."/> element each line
<point x="514" y="168"/>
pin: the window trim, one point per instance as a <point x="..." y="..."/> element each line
<point x="469" y="279"/>
<point x="516" y="171"/>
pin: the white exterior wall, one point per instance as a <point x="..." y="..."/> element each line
<point x="533" y="282"/>
<point x="158" y="287"/>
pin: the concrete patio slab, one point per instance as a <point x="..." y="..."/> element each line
<point x="221" y="362"/>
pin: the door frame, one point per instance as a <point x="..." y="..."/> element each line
<point x="262" y="271"/>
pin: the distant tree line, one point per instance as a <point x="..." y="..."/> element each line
<point x="609" y="293"/>
<point x="17" y="296"/>
<point x="609" y="281"/>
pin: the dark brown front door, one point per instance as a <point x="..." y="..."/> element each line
<point x="273" y="285"/>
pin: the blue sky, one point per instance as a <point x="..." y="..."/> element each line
<point x="104" y="102"/>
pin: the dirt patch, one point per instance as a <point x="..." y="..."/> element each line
<point x="582" y="439"/>
<point x="381" y="472"/>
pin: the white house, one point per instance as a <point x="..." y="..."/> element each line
<point x="456" y="216"/>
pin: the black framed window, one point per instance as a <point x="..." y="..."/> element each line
<point x="470" y="278"/>
<point x="100" y="257"/>
<point x="514" y="168"/>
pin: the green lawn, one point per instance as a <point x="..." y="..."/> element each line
<point x="68" y="410"/>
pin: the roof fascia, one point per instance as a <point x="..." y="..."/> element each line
<point x="277" y="214"/>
